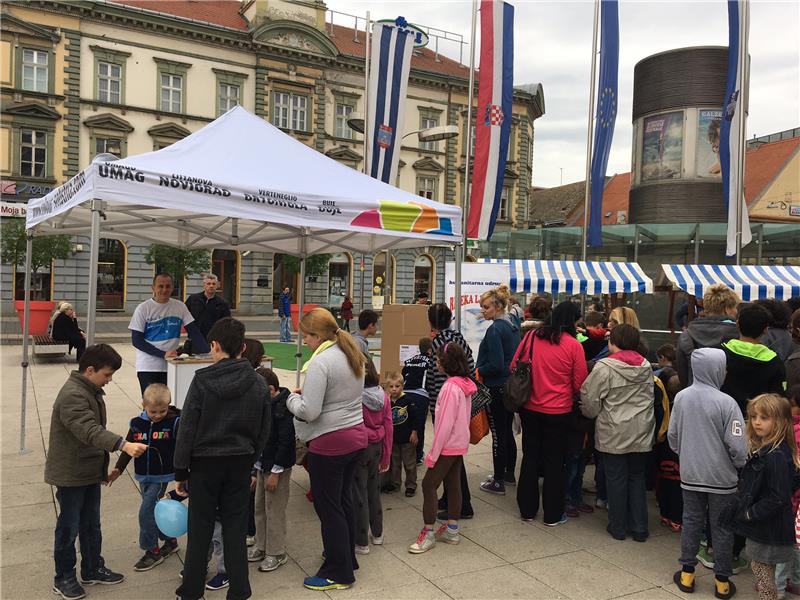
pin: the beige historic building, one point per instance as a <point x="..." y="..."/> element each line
<point x="132" y="76"/>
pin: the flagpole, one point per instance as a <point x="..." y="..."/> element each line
<point x="367" y="59"/>
<point x="589" y="131"/>
<point x="741" y="115"/>
<point x="465" y="196"/>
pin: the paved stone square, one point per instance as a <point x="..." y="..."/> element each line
<point x="499" y="556"/>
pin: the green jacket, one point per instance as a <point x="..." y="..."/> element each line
<point x="79" y="442"/>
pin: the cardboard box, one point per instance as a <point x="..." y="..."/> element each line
<point x="402" y="325"/>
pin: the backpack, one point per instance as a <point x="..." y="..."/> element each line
<point x="519" y="385"/>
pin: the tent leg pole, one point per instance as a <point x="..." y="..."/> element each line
<point x="91" y="310"/>
<point x="26" y="320"/>
<point x="457" y="299"/>
<point x="300" y="302"/>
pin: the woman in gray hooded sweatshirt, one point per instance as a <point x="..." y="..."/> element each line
<point x="619" y="393"/>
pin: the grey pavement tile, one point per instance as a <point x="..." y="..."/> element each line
<point x="518" y="542"/>
<point x="445" y="558"/>
<point x="25" y="494"/>
<point x="654" y="561"/>
<point x="498" y="583"/>
<point x="29" y="580"/>
<point x="26" y="518"/>
<point x="655" y="593"/>
<point x="32" y="545"/>
<point x="422" y="590"/>
<point x="586" y="531"/>
<point x="581" y="575"/>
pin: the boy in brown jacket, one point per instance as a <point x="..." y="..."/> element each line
<point x="77" y="464"/>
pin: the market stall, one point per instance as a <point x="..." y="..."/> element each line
<point x="237" y="183"/>
<point x="750" y="282"/>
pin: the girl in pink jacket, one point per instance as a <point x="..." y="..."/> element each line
<point x="450" y="444"/>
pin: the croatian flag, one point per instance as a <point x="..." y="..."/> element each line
<point x="730" y="159"/>
<point x="605" y="117"/>
<point x="390" y="63"/>
<point x="493" y="119"/>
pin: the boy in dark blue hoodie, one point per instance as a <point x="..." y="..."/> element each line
<point x="157" y="427"/>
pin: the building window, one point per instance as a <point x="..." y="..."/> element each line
<point x="228" y="97"/>
<point x="33" y="153"/>
<point x="427" y="123"/>
<point x="426" y="187"/>
<point x="342" y="129"/>
<point x="109" y="146"/>
<point x="171" y="92"/>
<point x="109" y="82"/>
<point x="502" y="211"/>
<point x="291" y="111"/>
<point x="34" y="70"/>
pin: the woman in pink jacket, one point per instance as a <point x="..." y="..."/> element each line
<point x="450" y="444"/>
<point x="558" y="371"/>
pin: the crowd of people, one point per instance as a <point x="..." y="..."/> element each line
<point x="712" y="427"/>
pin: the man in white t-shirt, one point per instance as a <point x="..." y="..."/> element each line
<point x="156" y="332"/>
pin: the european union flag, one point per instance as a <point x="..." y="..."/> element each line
<point x="606" y="114"/>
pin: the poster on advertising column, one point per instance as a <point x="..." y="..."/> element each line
<point x="662" y="146"/>
<point x="707" y="155"/>
<point x="476" y="279"/>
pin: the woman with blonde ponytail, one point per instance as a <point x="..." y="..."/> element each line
<point x="329" y="418"/>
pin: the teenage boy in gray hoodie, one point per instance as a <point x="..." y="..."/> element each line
<point x="706" y="429"/>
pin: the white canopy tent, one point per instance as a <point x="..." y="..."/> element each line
<point x="237" y="183"/>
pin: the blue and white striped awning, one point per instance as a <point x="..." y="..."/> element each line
<point x="575" y="277"/>
<point x="750" y="282"/>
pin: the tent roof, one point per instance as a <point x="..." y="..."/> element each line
<point x="750" y="282"/>
<point x="239" y="182"/>
<point x="574" y="276"/>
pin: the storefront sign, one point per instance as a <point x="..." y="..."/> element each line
<point x="794" y="210"/>
<point x="13" y="209"/>
<point x="24" y="189"/>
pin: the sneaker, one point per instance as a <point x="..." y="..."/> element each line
<point x="425" y="541"/>
<point x="218" y="581"/>
<point x="270" y="563"/>
<point x="737" y="565"/>
<point x="362" y="549"/>
<point x="572" y="512"/>
<point x="723" y="589"/>
<point x="585" y="508"/>
<point x="170" y="546"/>
<point x="494" y="487"/>
<point x="598" y="503"/>
<point x="526" y="520"/>
<point x="250" y="540"/>
<point x="509" y="479"/>
<point x="321" y="584"/>
<point x="411" y="492"/>
<point x="256" y="555"/>
<point x="448" y="535"/>
<point x="684" y="581"/>
<point x="706" y="558"/>
<point x="68" y="588"/>
<point x="617" y="536"/>
<point x="377" y="540"/>
<point x="103" y="576"/>
<point x="640" y="537"/>
<point x="148" y="561"/>
<point x="389" y="488"/>
<point x="443" y="515"/>
<point x="559" y="522"/>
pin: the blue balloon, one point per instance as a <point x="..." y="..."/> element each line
<point x="172" y="518"/>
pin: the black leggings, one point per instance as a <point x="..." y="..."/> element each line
<point x="504" y="447"/>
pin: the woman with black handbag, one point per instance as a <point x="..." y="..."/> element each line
<point x="497" y="348"/>
<point x="556" y="376"/>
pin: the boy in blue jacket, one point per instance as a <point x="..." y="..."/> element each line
<point x="157" y="428"/>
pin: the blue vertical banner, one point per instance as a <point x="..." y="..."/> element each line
<point x="605" y="116"/>
<point x="731" y="160"/>
<point x="390" y="63"/>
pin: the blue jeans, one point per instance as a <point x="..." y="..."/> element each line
<point x="575" y="467"/>
<point x="149" y="533"/>
<point x="286" y="331"/>
<point x="79" y="518"/>
<point x="788" y="571"/>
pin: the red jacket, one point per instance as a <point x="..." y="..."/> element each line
<point x="347" y="310"/>
<point x="558" y="372"/>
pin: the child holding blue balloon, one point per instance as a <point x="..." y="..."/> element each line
<point x="157" y="427"/>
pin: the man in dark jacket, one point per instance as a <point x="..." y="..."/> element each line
<point x="752" y="368"/>
<point x="285" y="314"/>
<point x="77" y="463"/>
<point x="225" y="426"/>
<point x="716" y="326"/>
<point x="206" y="307"/>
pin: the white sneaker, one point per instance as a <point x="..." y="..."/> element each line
<point x="448" y="535"/>
<point x="601" y="503"/>
<point x="250" y="540"/>
<point x="425" y="541"/>
<point x="255" y="555"/>
<point x="362" y="549"/>
<point x="377" y="540"/>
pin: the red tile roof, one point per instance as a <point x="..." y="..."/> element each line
<point x="762" y="165"/>
<point x="225" y="13"/>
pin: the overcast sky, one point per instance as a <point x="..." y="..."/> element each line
<point x="552" y="46"/>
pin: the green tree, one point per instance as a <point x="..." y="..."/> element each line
<point x="45" y="249"/>
<point x="178" y="262"/>
<point x="316" y="264"/>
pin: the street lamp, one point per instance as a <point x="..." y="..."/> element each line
<point x="433" y="134"/>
